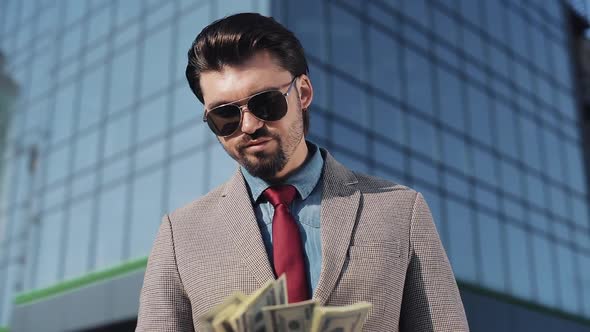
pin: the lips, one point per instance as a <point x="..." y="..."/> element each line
<point x="256" y="142"/>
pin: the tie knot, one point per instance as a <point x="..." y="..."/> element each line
<point x="280" y="194"/>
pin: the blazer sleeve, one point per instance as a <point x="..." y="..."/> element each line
<point x="164" y="304"/>
<point x="431" y="299"/>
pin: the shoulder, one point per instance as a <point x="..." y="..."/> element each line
<point x="373" y="189"/>
<point x="386" y="194"/>
<point x="369" y="183"/>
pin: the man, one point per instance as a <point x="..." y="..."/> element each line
<point x="339" y="236"/>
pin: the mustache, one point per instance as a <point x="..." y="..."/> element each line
<point x="260" y="133"/>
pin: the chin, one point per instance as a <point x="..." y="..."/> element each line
<point x="264" y="165"/>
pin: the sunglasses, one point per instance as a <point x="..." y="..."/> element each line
<point x="269" y="105"/>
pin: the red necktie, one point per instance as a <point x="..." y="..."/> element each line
<point x="286" y="242"/>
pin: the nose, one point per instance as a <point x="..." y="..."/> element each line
<point x="250" y="123"/>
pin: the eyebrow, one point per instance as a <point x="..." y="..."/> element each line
<point x="223" y="102"/>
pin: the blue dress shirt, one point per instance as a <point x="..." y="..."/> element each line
<point x="305" y="209"/>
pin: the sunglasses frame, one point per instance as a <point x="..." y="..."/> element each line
<point x="243" y="108"/>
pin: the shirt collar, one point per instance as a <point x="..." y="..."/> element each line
<point x="304" y="179"/>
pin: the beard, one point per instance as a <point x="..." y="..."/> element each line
<point x="266" y="164"/>
<point x="263" y="164"/>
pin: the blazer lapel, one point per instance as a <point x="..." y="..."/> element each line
<point x="340" y="202"/>
<point x="236" y="209"/>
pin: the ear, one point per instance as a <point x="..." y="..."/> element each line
<point x="305" y="91"/>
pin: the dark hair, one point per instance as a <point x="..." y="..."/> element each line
<point x="234" y="39"/>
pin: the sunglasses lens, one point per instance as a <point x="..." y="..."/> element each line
<point x="268" y="106"/>
<point x="224" y="120"/>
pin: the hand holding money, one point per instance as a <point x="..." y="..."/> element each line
<point x="267" y="310"/>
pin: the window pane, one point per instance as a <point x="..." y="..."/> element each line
<point x="221" y="166"/>
<point x="187" y="107"/>
<point x="576" y="174"/>
<point x="58" y="164"/>
<point x="146" y="212"/>
<point x="520" y="275"/>
<point x="152" y="119"/>
<point x="479" y="114"/>
<point x="308" y="25"/>
<point x="64" y="113"/>
<point x="92" y="98"/>
<point x="49" y="249"/>
<point x="189" y="25"/>
<point x="385" y="63"/>
<point x="122" y="80"/>
<point x="350" y="138"/>
<point x="487" y="198"/>
<point x="111" y="223"/>
<point x="536" y="190"/>
<point x="455" y="153"/>
<point x="580" y="211"/>
<point x="485" y="165"/>
<point x="511" y="178"/>
<point x="544" y="266"/>
<point x="505" y="125"/>
<point x="495" y="13"/>
<point x="190" y="137"/>
<point x="388" y="120"/>
<point x="451" y="100"/>
<point x="519" y="33"/>
<point x="78" y="238"/>
<point x="422" y="137"/>
<point x="349" y="102"/>
<point x="445" y="27"/>
<point x="346" y="42"/>
<point x="156" y="57"/>
<point x="553" y="152"/>
<point x="490" y="243"/>
<point x="186" y="180"/>
<point x="419" y="84"/>
<point x="117" y="134"/>
<point x="461" y="246"/>
<point x="568" y="279"/>
<point x="426" y="172"/>
<point x="100" y="22"/>
<point x="530" y="142"/>
<point x="417" y="10"/>
<point x="584" y="263"/>
<point x="86" y="151"/>
<point x="150" y="154"/>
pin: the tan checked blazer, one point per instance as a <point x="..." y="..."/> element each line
<point x="379" y="244"/>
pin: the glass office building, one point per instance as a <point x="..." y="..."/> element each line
<point x="477" y="104"/>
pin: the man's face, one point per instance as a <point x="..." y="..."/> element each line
<point x="267" y="149"/>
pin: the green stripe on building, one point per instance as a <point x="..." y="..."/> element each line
<point x="83" y="281"/>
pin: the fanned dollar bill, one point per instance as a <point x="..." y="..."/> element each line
<point x="248" y="317"/>
<point x="227" y="307"/>
<point x="295" y="317"/>
<point x="280" y="286"/>
<point x="267" y="310"/>
<point x="222" y="320"/>
<point x="349" y="318"/>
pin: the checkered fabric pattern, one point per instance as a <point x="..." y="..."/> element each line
<point x="379" y="244"/>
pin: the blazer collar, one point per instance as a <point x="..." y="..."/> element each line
<point x="340" y="203"/>
<point x="236" y="209"/>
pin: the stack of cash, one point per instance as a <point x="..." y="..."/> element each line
<point x="267" y="310"/>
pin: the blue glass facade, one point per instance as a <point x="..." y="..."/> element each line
<point x="473" y="103"/>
